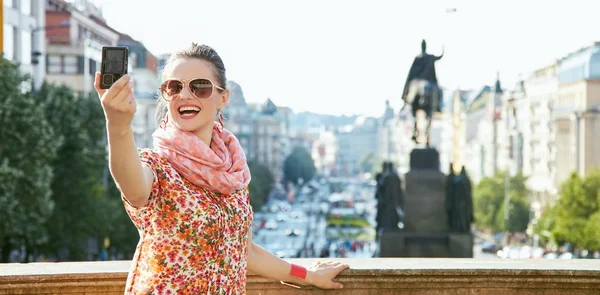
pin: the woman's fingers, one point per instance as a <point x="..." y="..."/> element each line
<point x="115" y="89"/>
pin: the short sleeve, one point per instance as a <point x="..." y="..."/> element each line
<point x="141" y="215"/>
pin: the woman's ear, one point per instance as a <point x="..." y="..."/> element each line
<point x="223" y="99"/>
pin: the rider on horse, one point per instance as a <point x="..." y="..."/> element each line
<point x="421" y="90"/>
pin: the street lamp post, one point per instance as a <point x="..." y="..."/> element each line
<point x="35" y="54"/>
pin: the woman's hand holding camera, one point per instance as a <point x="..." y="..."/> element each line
<point x="118" y="103"/>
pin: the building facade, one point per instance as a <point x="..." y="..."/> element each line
<point x="353" y="143"/>
<point x="23" y="26"/>
<point x="267" y="139"/>
<point x="324" y="153"/>
<point x="577" y="113"/>
<point x="541" y="89"/>
<point x="238" y="118"/>
<point x="75" y="52"/>
<point x="144" y="73"/>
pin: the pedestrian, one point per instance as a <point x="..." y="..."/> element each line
<point x="188" y="196"/>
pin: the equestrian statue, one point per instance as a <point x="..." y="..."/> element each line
<point x="421" y="92"/>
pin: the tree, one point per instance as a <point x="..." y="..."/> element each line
<point x="77" y="183"/>
<point x="52" y="163"/>
<point x="545" y="225"/>
<point x="299" y="165"/>
<point x="592" y="231"/>
<point x="28" y="148"/>
<point x="260" y="184"/>
<point x="116" y="225"/>
<point x="577" y="210"/>
<point x="518" y="216"/>
<point x="488" y="199"/>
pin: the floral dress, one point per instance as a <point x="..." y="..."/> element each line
<point x="192" y="241"/>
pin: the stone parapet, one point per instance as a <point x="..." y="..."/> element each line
<point x="367" y="276"/>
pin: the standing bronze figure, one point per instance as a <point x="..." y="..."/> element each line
<point x="459" y="201"/>
<point x="390" y="198"/>
<point x="421" y="90"/>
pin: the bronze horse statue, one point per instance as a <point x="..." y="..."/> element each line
<point x="421" y="91"/>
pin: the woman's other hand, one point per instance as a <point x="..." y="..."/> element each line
<point x="321" y="274"/>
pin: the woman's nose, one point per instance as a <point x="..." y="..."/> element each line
<point x="185" y="93"/>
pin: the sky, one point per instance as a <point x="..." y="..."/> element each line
<point x="349" y="57"/>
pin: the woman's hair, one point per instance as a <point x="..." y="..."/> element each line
<point x="203" y="52"/>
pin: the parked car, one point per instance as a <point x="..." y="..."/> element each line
<point x="489" y="247"/>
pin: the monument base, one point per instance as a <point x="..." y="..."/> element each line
<point x="442" y="245"/>
<point x="425" y="202"/>
<point x="424" y="159"/>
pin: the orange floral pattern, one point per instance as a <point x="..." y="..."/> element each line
<point x="192" y="241"/>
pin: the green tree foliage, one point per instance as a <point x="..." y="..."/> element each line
<point x="545" y="225"/>
<point x="116" y="224"/>
<point x="299" y="165"/>
<point x="55" y="193"/>
<point x="578" y="211"/>
<point x="488" y="199"/>
<point x="27" y="150"/>
<point x="260" y="184"/>
<point x="77" y="185"/>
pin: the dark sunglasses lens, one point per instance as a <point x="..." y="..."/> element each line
<point x="171" y="88"/>
<point x="201" y="88"/>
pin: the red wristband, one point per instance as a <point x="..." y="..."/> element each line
<point x="298" y="271"/>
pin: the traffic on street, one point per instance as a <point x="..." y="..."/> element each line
<point x="322" y="219"/>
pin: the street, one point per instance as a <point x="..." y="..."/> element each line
<point x="319" y="222"/>
<point x="300" y="228"/>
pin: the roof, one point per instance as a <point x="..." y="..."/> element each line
<point x="479" y="100"/>
<point x="269" y="108"/>
<point x="583" y="64"/>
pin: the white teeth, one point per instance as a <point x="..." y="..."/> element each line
<point x="189" y="108"/>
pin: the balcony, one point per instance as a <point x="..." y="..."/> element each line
<point x="367" y="276"/>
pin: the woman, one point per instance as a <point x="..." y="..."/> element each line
<point x="189" y="197"/>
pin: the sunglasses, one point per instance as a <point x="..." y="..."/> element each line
<point x="200" y="88"/>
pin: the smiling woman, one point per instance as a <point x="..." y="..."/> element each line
<point x="189" y="197"/>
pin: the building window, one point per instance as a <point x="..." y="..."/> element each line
<point x="71" y="63"/>
<point x="93" y="64"/>
<point x="54" y="64"/>
<point x="26" y="7"/>
<point x="9" y="41"/>
<point x="80" y="64"/>
<point x="25" y="46"/>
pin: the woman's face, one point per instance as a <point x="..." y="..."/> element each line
<point x="187" y="111"/>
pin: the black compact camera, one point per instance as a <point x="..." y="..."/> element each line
<point x="114" y="64"/>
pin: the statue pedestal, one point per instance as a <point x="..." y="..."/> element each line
<point x="424" y="159"/>
<point x="426" y="231"/>
<point x="424" y="201"/>
<point x="412" y="244"/>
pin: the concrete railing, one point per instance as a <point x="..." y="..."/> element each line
<point x="366" y="276"/>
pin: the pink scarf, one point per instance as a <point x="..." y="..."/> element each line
<point x="219" y="168"/>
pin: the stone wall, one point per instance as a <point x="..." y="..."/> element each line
<point x="396" y="276"/>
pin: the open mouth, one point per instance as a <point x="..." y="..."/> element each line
<point x="189" y="111"/>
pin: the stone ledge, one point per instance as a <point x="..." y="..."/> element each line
<point x="366" y="276"/>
